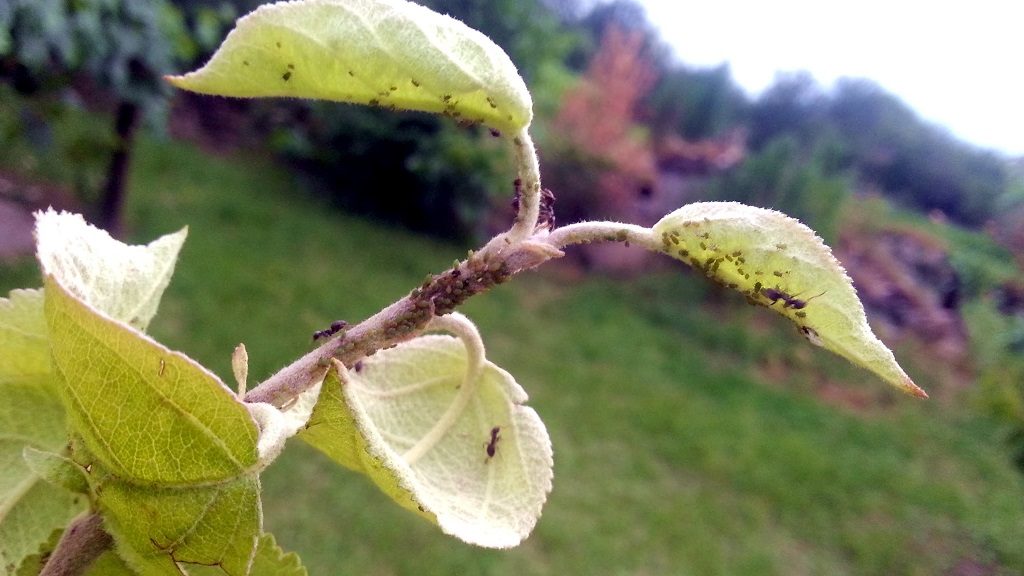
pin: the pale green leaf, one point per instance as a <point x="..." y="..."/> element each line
<point x="779" y="263"/>
<point x="31" y="416"/>
<point x="23" y="338"/>
<point x="29" y="513"/>
<point x="124" y="282"/>
<point x="411" y="421"/>
<point x="110" y="564"/>
<point x="32" y="565"/>
<point x="155" y="528"/>
<point x="390" y="53"/>
<point x="149" y="414"/>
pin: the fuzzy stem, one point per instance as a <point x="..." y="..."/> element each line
<point x="528" y="172"/>
<point x="82" y="543"/>
<point x="587" y="232"/>
<point x="440" y="294"/>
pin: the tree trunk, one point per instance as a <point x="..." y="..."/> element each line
<point x="112" y="200"/>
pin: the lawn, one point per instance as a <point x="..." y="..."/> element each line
<point x="690" y="432"/>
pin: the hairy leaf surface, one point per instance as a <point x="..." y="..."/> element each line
<point x="209" y="525"/>
<point x="389" y="53"/>
<point x="149" y="414"/>
<point x="410" y="420"/>
<point x="779" y="263"/>
<point x="123" y="282"/>
<point x="270" y="560"/>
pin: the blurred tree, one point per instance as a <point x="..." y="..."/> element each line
<point x="597" y="126"/>
<point x="123" y="47"/>
<point x="418" y="170"/>
<point x="695" y="104"/>
<point x="885" y="143"/>
<point x="781" y="175"/>
<point x="916" y="163"/>
<point x="795" y="104"/>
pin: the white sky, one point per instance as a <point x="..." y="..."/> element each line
<point x="958" y="64"/>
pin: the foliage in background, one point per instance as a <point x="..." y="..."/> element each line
<point x="597" y="157"/>
<point x="416" y="169"/>
<point x="105" y="55"/>
<point x="885" y="144"/>
<point x="784" y="177"/>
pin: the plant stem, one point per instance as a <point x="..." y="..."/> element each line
<point x="82" y="543"/>
<point x="528" y="174"/>
<point x="587" y="232"/>
<point x="440" y="294"/>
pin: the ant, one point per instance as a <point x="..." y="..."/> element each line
<point x="491" y="446"/>
<point x="336" y="326"/>
<point x="788" y="301"/>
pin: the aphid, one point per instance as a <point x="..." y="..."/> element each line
<point x="334" y="328"/>
<point x="788" y="301"/>
<point x="491" y="446"/>
<point x="162" y="366"/>
<point x="812" y="335"/>
<point x="286" y="76"/>
<point x="358" y="367"/>
<point x="798" y="304"/>
<point x="415" y="83"/>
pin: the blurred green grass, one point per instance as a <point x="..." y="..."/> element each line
<point x="673" y="453"/>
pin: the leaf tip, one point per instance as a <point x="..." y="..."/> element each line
<point x="915" y="390"/>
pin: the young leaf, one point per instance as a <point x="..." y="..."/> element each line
<point x="390" y="53"/>
<point x="779" y="263"/>
<point x="58" y="470"/>
<point x="465" y="454"/>
<point x="124" y="282"/>
<point x="156" y="527"/>
<point x="149" y="414"/>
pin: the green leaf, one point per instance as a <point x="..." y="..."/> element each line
<point x="31" y="416"/>
<point x="124" y="282"/>
<point x="418" y="420"/>
<point x="109" y="564"/>
<point x="149" y="414"/>
<point x="156" y="527"/>
<point x="270" y="560"/>
<point x="779" y="263"/>
<point x="23" y="339"/>
<point x="390" y="53"/>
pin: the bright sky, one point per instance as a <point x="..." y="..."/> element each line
<point x="958" y="64"/>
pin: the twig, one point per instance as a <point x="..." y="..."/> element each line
<point x="83" y="542"/>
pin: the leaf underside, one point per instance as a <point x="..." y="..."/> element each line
<point x="373" y="420"/>
<point x="388" y="53"/>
